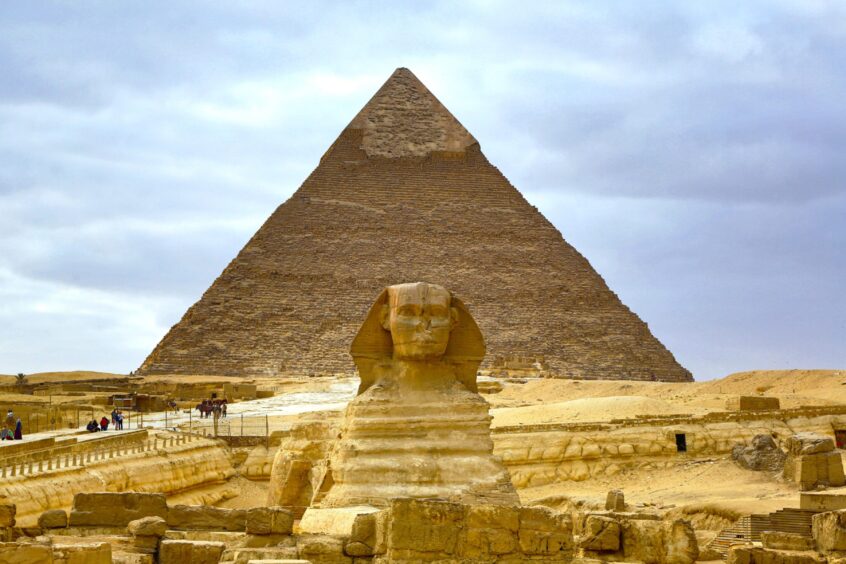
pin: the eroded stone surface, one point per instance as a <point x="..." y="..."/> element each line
<point x="115" y="509"/>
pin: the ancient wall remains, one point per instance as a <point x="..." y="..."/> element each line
<point x="50" y="478"/>
<point x="544" y="454"/>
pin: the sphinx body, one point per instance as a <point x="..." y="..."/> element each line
<point x="418" y="427"/>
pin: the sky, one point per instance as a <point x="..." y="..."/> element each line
<point x="694" y="152"/>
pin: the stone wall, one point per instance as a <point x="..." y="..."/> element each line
<point x="540" y="455"/>
<point x="371" y="216"/>
<point x="168" y="464"/>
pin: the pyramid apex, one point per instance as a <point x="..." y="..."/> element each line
<point x="404" y="119"/>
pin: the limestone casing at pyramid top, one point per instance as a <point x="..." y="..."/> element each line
<point x="404" y="119"/>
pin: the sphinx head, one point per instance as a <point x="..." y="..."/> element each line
<point x="414" y="323"/>
<point x="419" y="317"/>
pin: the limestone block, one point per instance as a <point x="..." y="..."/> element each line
<point x="829" y="530"/>
<point x="542" y="531"/>
<point x="425" y="526"/>
<point x="490" y="530"/>
<point x="204" y="517"/>
<point x="323" y="549"/>
<point x="87" y="553"/>
<point x="786" y="541"/>
<point x="615" y="501"/>
<point x="269" y="521"/>
<point x="809" y="443"/>
<point x="822" y="501"/>
<point x="7" y="514"/>
<point x="680" y="544"/>
<point x="115" y="509"/>
<point x="748" y="554"/>
<point x="195" y="552"/>
<point x="641" y="540"/>
<point x="600" y="534"/>
<point x="147" y="527"/>
<point x="363" y="536"/>
<point x="25" y="553"/>
<point x="53" y="519"/>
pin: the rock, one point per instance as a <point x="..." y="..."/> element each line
<point x="363" y="539"/>
<point x="615" y="501"/>
<point x="269" y="521"/>
<point x="642" y="540"/>
<point x="748" y="554"/>
<point x="115" y="509"/>
<point x="813" y="470"/>
<point x="83" y="553"/>
<point x="762" y="454"/>
<point x="600" y="534"/>
<point x="786" y="541"/>
<point x="425" y="526"/>
<point x="652" y="541"/>
<point x="543" y="531"/>
<point x="204" y="517"/>
<point x="809" y="443"/>
<point x="25" y="553"/>
<point x="53" y="519"/>
<point x="147" y="527"/>
<point x="490" y="530"/>
<point x="193" y="552"/>
<point x="322" y="549"/>
<point x="680" y="544"/>
<point x="7" y="514"/>
<point x="829" y="530"/>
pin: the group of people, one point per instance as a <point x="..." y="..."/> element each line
<point x="103" y="425"/>
<point x="12" y="428"/>
<point x="208" y="407"/>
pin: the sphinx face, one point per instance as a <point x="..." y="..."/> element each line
<point x="419" y="318"/>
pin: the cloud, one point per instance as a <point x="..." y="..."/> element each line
<point x="693" y="152"/>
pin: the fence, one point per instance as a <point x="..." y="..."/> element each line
<point x="56" y="419"/>
<point x="234" y="429"/>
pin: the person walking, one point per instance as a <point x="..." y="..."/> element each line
<point x="18" y="430"/>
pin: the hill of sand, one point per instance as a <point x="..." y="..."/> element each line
<point x="794" y="388"/>
<point x="588" y="409"/>
<point x="69" y="376"/>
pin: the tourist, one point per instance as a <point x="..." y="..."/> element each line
<point x="18" y="430"/>
<point x="223" y="409"/>
<point x="10" y="420"/>
<point x="104" y="424"/>
<point x="6" y="435"/>
<point x="114" y="418"/>
<point x="118" y="421"/>
<point x="92" y="426"/>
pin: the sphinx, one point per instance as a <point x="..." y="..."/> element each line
<point x="418" y="427"/>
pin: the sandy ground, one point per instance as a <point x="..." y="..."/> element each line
<point x="569" y="401"/>
<point x="712" y="491"/>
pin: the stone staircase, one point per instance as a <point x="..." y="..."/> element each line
<point x="745" y="530"/>
<point x="749" y="528"/>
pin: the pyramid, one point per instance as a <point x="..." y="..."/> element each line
<point x="405" y="194"/>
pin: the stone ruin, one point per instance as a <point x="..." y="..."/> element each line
<point x="402" y="174"/>
<point x="812" y="462"/>
<point x="762" y="455"/>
